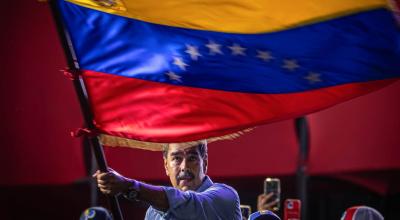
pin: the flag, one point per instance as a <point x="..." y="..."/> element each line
<point x="181" y="71"/>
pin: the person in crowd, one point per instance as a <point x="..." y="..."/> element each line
<point x="362" y="213"/>
<point x="96" y="213"/>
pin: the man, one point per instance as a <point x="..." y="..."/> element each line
<point x="193" y="195"/>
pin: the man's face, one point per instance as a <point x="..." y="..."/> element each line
<point x="185" y="167"/>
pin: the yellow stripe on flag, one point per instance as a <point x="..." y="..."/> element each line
<point x="232" y="16"/>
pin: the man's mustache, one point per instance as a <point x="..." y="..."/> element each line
<point x="185" y="175"/>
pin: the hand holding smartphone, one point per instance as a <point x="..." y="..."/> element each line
<point x="273" y="185"/>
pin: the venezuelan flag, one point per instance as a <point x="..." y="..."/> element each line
<point x="179" y="71"/>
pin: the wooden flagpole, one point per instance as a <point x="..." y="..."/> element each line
<point x="83" y="101"/>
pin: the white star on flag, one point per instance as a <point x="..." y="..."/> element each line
<point x="264" y="55"/>
<point x="173" y="76"/>
<point x="237" y="50"/>
<point x="290" y="65"/>
<point x="179" y="62"/>
<point x="313" y="77"/>
<point x="192" y="51"/>
<point x="214" y="48"/>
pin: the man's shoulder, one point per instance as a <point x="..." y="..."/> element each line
<point x="227" y="197"/>
<point x="224" y="187"/>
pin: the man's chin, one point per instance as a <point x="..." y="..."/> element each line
<point x="184" y="188"/>
<point x="185" y="185"/>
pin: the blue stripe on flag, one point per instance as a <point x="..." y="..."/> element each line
<point x="355" y="48"/>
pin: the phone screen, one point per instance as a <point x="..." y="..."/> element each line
<point x="272" y="185"/>
<point x="246" y="211"/>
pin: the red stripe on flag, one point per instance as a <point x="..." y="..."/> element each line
<point x="158" y="112"/>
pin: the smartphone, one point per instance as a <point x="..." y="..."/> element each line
<point x="246" y="211"/>
<point x="292" y="209"/>
<point x="273" y="185"/>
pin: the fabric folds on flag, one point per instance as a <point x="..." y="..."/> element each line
<point x="180" y="71"/>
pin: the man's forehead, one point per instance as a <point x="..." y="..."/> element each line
<point x="176" y="149"/>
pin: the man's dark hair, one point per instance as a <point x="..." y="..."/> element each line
<point x="202" y="146"/>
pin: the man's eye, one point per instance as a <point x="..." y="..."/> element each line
<point x="192" y="158"/>
<point x="176" y="158"/>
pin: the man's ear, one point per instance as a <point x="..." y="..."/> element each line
<point x="205" y="163"/>
<point x="166" y="166"/>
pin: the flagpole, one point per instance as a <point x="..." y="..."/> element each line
<point x="302" y="132"/>
<point x="91" y="167"/>
<point x="83" y="101"/>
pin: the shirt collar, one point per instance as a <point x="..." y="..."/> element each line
<point x="207" y="183"/>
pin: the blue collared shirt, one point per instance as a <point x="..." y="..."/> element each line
<point x="210" y="201"/>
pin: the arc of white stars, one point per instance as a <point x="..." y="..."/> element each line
<point x="214" y="48"/>
<point x="313" y="77"/>
<point x="290" y="65"/>
<point x="173" y="76"/>
<point x="264" y="55"/>
<point x="237" y="50"/>
<point x="193" y="52"/>
<point x="179" y="62"/>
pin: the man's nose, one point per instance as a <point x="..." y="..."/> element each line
<point x="184" y="164"/>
